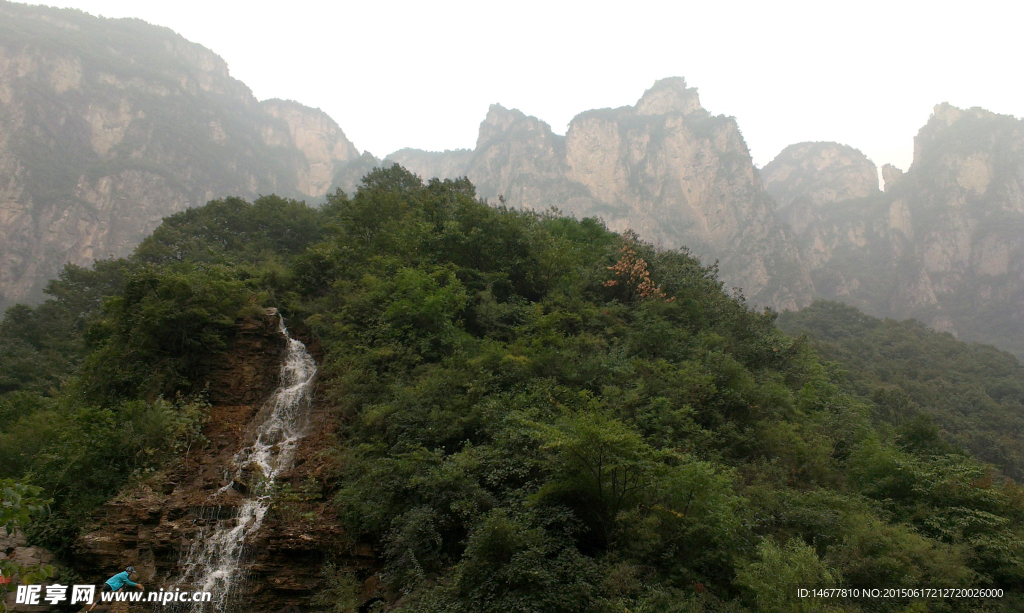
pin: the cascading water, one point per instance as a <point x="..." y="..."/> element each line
<point x="213" y="562"/>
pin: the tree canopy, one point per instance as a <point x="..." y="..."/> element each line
<point x="535" y="413"/>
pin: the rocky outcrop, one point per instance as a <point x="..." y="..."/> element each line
<point x="109" y="125"/>
<point x="664" y="167"/>
<point x="14" y="549"/>
<point x="943" y="243"/>
<point x="805" y="177"/>
<point x="152" y="525"/>
<point x="890" y="175"/>
<point x="964" y="201"/>
<point x="427" y="164"/>
<point x="317" y="136"/>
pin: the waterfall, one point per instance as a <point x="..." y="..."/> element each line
<point x="214" y="561"/>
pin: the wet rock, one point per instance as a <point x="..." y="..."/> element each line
<point x="154" y="525"/>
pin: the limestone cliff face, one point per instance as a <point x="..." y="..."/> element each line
<point x="682" y="177"/>
<point x="107" y="126"/>
<point x="664" y="167"/>
<point x="807" y="176"/>
<point x="317" y="136"/>
<point x="944" y="243"/>
<point x="890" y="175"/>
<point x="964" y="198"/>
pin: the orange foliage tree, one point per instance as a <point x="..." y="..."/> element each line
<point x="632" y="274"/>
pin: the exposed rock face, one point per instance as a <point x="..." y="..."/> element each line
<point x="943" y="244"/>
<point x="107" y="126"/>
<point x="521" y="159"/>
<point x="890" y="175"/>
<point x="317" y="136"/>
<point x="152" y="526"/>
<point x="664" y="167"/>
<point x="669" y="96"/>
<point x="13" y="549"/>
<point x="428" y="164"/>
<point x="805" y="177"/>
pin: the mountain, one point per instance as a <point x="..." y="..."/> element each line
<point x="109" y="125"/>
<point x="943" y="243"/>
<point x="665" y="168"/>
<point x="805" y="177"/>
<point x="458" y="407"/>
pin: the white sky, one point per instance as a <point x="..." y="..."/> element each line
<point x="421" y="74"/>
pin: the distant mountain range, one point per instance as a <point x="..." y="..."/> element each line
<point x="107" y="126"/>
<point x="665" y="167"/>
<point x="943" y="243"/>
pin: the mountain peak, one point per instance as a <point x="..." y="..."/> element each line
<point x="807" y="176"/>
<point x="501" y="117"/>
<point x="946" y="113"/>
<point x="670" y="95"/>
<point x="501" y="120"/>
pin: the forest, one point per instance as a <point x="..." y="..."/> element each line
<point x="535" y="413"/>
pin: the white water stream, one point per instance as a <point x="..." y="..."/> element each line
<point x="214" y="561"/>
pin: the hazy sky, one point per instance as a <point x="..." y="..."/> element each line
<point x="422" y="74"/>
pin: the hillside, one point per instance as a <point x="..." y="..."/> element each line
<point x="973" y="393"/>
<point x="109" y="125"/>
<point x="514" y="411"/>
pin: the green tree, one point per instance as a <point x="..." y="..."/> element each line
<point x="776" y="574"/>
<point x="19" y="503"/>
<point x="600" y="468"/>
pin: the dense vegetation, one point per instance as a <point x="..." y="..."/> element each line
<point x="537" y="414"/>
<point x="925" y="381"/>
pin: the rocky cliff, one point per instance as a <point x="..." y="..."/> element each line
<point x="943" y="244"/>
<point x="153" y="525"/>
<point x="323" y="145"/>
<point x="664" y="167"/>
<point x="806" y="177"/>
<point x="109" y="125"/>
